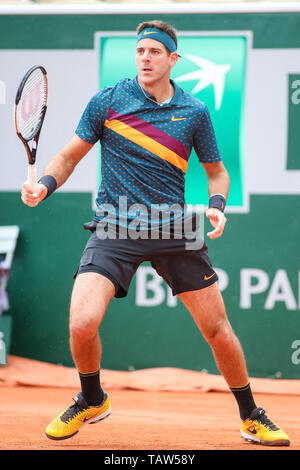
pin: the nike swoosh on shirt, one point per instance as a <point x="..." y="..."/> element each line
<point x="177" y="119"/>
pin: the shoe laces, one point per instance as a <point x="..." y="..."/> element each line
<point x="261" y="418"/>
<point x="73" y="411"/>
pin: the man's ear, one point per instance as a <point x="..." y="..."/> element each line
<point x="173" y="59"/>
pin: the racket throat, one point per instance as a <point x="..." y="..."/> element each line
<point x="31" y="150"/>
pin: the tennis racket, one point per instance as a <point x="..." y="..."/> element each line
<point x="30" y="109"/>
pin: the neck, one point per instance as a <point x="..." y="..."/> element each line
<point x="161" y="91"/>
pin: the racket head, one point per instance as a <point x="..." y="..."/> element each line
<point x="31" y="106"/>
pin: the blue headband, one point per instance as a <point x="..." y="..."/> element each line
<point x="158" y="35"/>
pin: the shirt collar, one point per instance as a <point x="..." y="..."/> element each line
<point x="175" y="101"/>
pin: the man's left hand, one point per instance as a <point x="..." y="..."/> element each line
<point x="218" y="220"/>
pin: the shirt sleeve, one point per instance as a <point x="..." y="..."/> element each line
<point x="205" y="142"/>
<point x="90" y="126"/>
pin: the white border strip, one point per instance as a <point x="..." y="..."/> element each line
<point x="163" y="8"/>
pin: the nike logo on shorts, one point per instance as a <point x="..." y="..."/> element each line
<point x="208" y="277"/>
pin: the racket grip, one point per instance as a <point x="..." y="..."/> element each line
<point x="32" y="174"/>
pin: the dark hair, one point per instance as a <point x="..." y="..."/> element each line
<point x="165" y="27"/>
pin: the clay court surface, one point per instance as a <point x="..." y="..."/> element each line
<point x="158" y="409"/>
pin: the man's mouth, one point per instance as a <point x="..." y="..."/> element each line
<point x="147" y="69"/>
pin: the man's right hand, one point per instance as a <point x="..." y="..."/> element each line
<point x="32" y="195"/>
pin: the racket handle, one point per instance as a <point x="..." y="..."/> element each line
<point x="32" y="174"/>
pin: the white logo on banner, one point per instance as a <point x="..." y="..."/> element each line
<point x="152" y="291"/>
<point x="209" y="73"/>
<point x="257" y="281"/>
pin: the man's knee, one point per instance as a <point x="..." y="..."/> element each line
<point x="84" y="320"/>
<point x="221" y="335"/>
<point x="81" y="331"/>
<point x="90" y="298"/>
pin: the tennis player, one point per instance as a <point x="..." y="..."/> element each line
<point x="147" y="127"/>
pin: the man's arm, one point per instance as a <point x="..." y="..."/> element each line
<point x="218" y="183"/>
<point x="60" y="167"/>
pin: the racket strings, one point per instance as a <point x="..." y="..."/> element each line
<point x="31" y="105"/>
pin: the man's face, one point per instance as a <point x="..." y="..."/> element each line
<point x="153" y="61"/>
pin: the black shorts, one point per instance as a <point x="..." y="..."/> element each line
<point x="116" y="259"/>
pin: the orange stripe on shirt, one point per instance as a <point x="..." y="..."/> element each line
<point x="147" y="143"/>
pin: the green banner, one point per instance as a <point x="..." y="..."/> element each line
<point x="211" y="68"/>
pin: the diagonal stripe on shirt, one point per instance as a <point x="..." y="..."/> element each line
<point x="149" y="137"/>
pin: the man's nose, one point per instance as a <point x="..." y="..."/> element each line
<point x="145" y="56"/>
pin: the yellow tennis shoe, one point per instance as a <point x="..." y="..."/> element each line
<point x="261" y="430"/>
<point x="68" y="423"/>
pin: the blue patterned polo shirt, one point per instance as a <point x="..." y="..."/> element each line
<point x="145" y="147"/>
